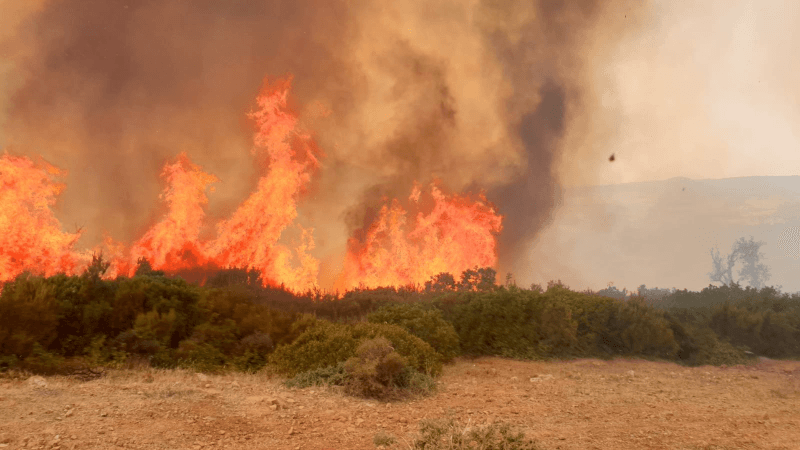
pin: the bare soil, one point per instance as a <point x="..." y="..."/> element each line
<point x="583" y="404"/>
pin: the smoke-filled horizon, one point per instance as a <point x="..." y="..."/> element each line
<point x="510" y="97"/>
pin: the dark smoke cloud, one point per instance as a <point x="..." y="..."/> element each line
<point x="535" y="192"/>
<point x="112" y="89"/>
<point x="546" y="60"/>
<point x="475" y="94"/>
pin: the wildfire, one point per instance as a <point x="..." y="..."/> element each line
<point x="435" y="233"/>
<point x="456" y="234"/>
<point x="173" y="243"/>
<point x="30" y="236"/>
<point x="249" y="238"/>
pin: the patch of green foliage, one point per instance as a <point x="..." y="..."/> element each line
<point x="382" y="439"/>
<point x="376" y="370"/>
<point x="235" y="323"/>
<point x="424" y="322"/>
<point x="324" y="376"/>
<point x="449" y="434"/>
<point x="327" y="344"/>
<point x="561" y="323"/>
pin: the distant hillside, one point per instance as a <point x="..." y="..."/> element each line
<point x="659" y="233"/>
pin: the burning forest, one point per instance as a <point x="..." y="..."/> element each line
<point x="389" y="143"/>
<point x="439" y="233"/>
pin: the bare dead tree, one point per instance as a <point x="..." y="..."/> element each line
<point x="746" y="251"/>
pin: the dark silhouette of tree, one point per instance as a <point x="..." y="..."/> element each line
<point x="613" y="292"/>
<point x="746" y="251"/>
<point x="478" y="279"/>
<point x="143" y="268"/>
<point x="97" y="268"/>
<point x="441" y="283"/>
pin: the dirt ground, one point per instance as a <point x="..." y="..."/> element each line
<point x="584" y="404"/>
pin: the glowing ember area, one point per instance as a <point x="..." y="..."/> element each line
<point x="405" y="246"/>
<point x="401" y="249"/>
<point x="30" y="236"/>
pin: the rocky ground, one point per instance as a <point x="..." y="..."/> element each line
<point x="583" y="404"/>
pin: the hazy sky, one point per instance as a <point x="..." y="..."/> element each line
<point x="708" y="89"/>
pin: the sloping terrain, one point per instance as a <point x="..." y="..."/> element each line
<point x="583" y="404"/>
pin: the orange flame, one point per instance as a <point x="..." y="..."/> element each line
<point x="173" y="244"/>
<point x="30" y="235"/>
<point x="457" y="234"/>
<point x="444" y="233"/>
<point x="250" y="238"/>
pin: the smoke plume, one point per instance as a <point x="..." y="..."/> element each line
<point x="475" y="95"/>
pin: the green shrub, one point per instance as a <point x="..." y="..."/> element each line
<point x="502" y="322"/>
<point x="418" y="383"/>
<point x="155" y="326"/>
<point x="325" y="376"/>
<point x="165" y="358"/>
<point x="326" y="344"/>
<point x="767" y="327"/>
<point x="419" y="354"/>
<point x="381" y="439"/>
<point x="101" y="353"/>
<point x="711" y="350"/>
<point x="146" y="293"/>
<point x="28" y="316"/>
<point x="252" y="352"/>
<point x="200" y="356"/>
<point x="302" y="323"/>
<point x="556" y="327"/>
<point x="376" y="371"/>
<point x="424" y="323"/>
<point x="449" y="434"/>
<point x="84" y="306"/>
<point x="206" y="350"/>
<point x="323" y="345"/>
<point x="8" y="362"/>
<point x="43" y="362"/>
<point x="636" y="328"/>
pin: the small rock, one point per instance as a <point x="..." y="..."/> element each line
<point x="202" y="377"/>
<point x="514" y="379"/>
<point x="291" y="431"/>
<point x="37" y="382"/>
<point x="538" y="378"/>
<point x="631" y="373"/>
